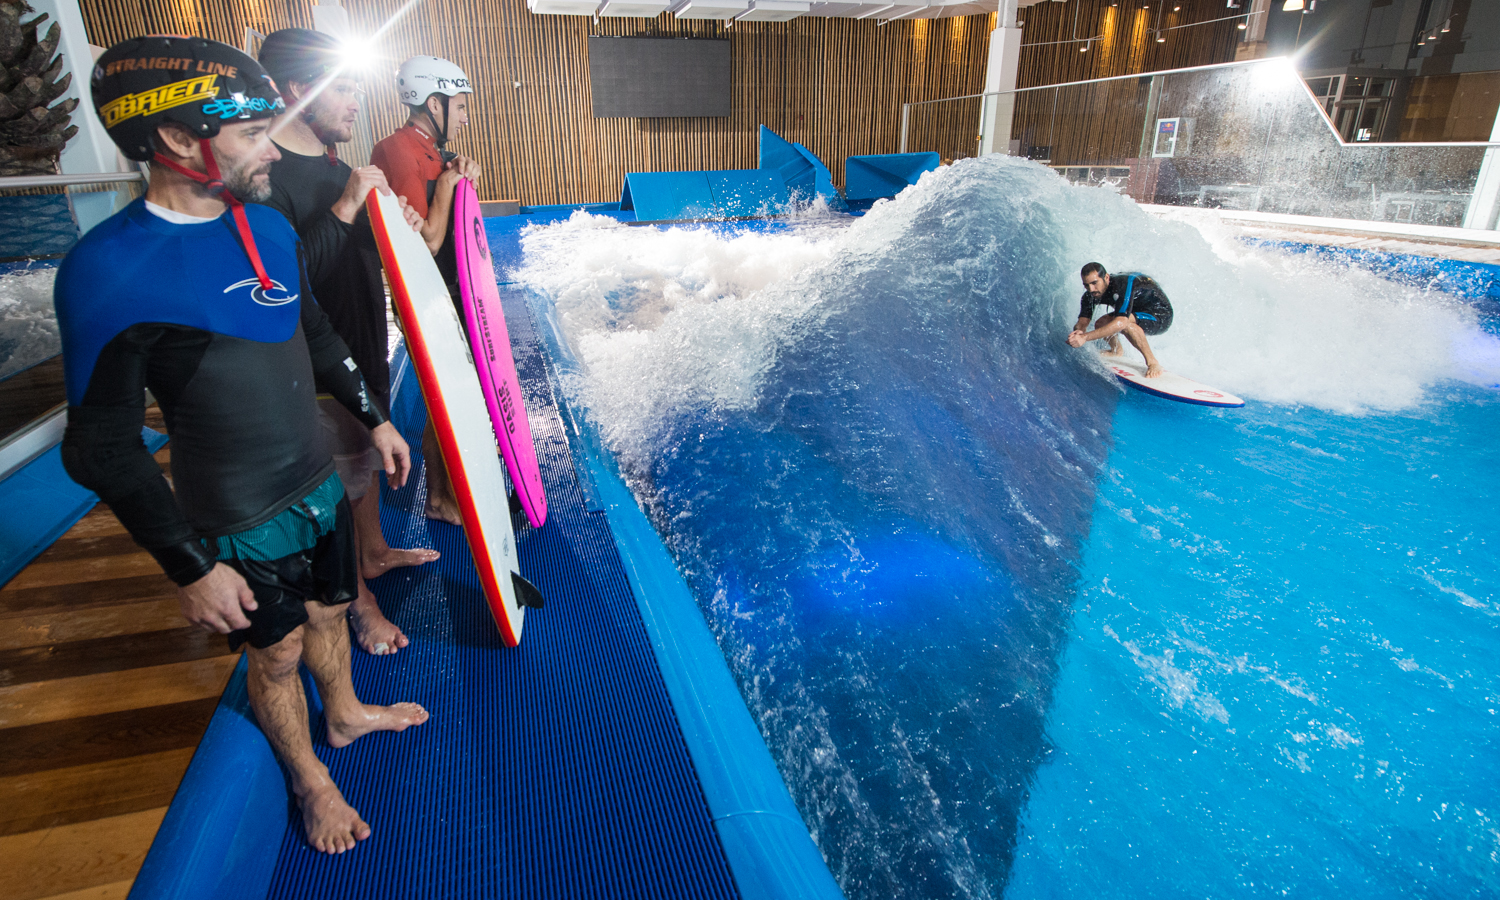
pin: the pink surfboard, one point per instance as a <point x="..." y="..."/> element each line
<point x="492" y="353"/>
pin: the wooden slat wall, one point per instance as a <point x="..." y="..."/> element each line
<point x="834" y="85"/>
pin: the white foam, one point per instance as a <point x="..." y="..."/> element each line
<point x="28" y="321"/>
<point x="687" y="317"/>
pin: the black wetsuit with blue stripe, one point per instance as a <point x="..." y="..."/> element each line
<point x="147" y="303"/>
<point x="1132" y="292"/>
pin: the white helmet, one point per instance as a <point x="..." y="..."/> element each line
<point x="422" y="76"/>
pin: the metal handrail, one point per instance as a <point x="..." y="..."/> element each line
<point x="36" y="181"/>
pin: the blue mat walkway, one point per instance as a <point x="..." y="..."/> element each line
<point x="552" y="770"/>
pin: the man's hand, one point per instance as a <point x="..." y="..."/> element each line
<point x="218" y="600"/>
<point x="467" y="168"/>
<point x="412" y="218"/>
<point x="1077" y="339"/>
<point x="361" y="181"/>
<point x="393" y="451"/>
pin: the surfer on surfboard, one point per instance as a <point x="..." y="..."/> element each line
<point x="1137" y="308"/>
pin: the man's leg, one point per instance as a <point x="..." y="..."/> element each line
<point x="276" y="696"/>
<point x="376" y="557"/>
<point x="377" y="634"/>
<point x="325" y="651"/>
<point x="1137" y="337"/>
<point x="441" y="504"/>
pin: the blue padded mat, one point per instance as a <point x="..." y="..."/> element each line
<point x="53" y="503"/>
<point x="552" y="770"/>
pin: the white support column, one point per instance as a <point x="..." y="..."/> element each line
<point x="90" y="151"/>
<point x="1484" y="203"/>
<point x="1000" y="75"/>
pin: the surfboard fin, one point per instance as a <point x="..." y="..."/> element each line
<point x="526" y="593"/>
<point x="515" y="502"/>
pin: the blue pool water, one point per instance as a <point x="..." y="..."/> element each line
<point x="1011" y="632"/>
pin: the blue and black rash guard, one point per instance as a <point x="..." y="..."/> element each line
<point x="1130" y="292"/>
<point x="147" y="303"/>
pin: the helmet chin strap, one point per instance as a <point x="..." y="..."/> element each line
<point x="214" y="184"/>
<point x="440" y="136"/>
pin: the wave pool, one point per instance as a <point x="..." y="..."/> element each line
<point x="1010" y="631"/>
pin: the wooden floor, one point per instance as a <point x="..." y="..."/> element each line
<point x="104" y="693"/>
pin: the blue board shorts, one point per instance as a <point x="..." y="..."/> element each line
<point x="304" y="554"/>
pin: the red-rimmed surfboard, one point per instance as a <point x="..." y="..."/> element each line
<point x="456" y="407"/>
<point x="490" y="341"/>
<point x="1170" y="386"/>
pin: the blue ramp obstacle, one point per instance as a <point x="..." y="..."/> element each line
<point x="870" y="178"/>
<point x="679" y="196"/>
<point x="805" y="175"/>
<point x="787" y="171"/>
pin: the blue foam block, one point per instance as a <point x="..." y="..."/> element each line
<point x="228" y="815"/>
<point x="53" y="503"/>
<point x="805" y="175"/>
<point x="746" y="193"/>
<point x="669" y="196"/>
<point x="884" y="175"/>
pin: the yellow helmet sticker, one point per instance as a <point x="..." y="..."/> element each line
<point x="178" y="93"/>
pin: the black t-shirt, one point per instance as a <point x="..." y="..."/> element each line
<point x="343" y="263"/>
<point x="1145" y="296"/>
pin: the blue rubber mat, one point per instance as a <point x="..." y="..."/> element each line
<point x="53" y="503"/>
<point x="552" y="770"/>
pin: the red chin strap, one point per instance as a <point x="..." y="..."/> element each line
<point x="214" y="184"/>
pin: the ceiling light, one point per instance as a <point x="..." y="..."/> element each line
<point x="1240" y="26"/>
<point x="1161" y="40"/>
<point x="1291" y="6"/>
<point x="1447" y="25"/>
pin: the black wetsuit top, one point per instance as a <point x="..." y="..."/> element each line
<point x="343" y="263"/>
<point x="1145" y="299"/>
<point x="147" y="303"/>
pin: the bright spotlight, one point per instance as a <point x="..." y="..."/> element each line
<point x="1291" y="6"/>
<point x="356" y="54"/>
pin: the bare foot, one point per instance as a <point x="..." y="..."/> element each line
<point x="396" y="717"/>
<point x="377" y="563"/>
<point x="374" y="633"/>
<point x="332" y="825"/>
<point x="444" y="511"/>
<point x="1153" y="369"/>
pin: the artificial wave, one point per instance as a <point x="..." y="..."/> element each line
<point x="875" y="461"/>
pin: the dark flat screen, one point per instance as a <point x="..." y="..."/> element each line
<point x="659" y="77"/>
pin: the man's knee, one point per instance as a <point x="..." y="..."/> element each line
<point x="278" y="662"/>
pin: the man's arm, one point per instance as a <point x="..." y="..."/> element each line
<point x="435" y="231"/>
<point x="103" y="451"/>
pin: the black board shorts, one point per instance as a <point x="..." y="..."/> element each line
<point x="1151" y="323"/>
<point x="328" y="573"/>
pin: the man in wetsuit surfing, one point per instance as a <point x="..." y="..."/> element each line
<point x="1137" y="308"/>
<point x="324" y="199"/>
<point x="210" y="309"/>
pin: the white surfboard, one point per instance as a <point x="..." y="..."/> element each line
<point x="455" y="403"/>
<point x="1168" y="385"/>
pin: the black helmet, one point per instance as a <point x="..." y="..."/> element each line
<point x="299" y="54"/>
<point x="200" y="84"/>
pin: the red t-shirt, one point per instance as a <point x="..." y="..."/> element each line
<point x="411" y="163"/>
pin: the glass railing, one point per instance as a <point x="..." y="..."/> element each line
<point x="1243" y="136"/>
<point x="41" y="218"/>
